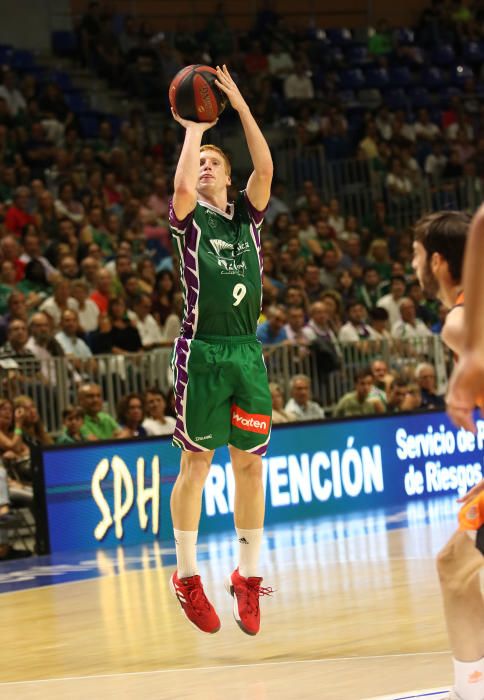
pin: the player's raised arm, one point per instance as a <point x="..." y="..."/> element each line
<point x="188" y="168"/>
<point x="259" y="183"/>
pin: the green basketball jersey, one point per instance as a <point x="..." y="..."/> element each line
<point x="220" y="268"/>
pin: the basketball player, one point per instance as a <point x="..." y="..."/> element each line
<point x="220" y="381"/>
<point x="439" y="246"/>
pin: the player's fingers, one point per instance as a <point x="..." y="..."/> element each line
<point x="461" y="417"/>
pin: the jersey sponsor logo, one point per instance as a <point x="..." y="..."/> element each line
<point x="253" y="422"/>
<point x="229" y="257"/>
<point x="203" y="437"/>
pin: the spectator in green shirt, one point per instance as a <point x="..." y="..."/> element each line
<point x="357" y="403"/>
<point x="96" y="425"/>
<point x="381" y="42"/>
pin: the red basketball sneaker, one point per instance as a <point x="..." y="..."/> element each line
<point x="246" y="593"/>
<point x="195" y="604"/>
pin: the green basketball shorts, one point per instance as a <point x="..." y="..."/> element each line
<point x="221" y="394"/>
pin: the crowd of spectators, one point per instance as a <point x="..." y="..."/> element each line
<point x="86" y="261"/>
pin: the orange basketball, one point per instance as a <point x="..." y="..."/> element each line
<point x="194" y="96"/>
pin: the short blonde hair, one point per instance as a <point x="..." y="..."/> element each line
<point x="211" y="147"/>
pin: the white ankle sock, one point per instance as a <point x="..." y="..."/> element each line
<point x="249" y="549"/>
<point x="186" y="552"/>
<point x="469" y="679"/>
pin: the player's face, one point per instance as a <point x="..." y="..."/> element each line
<point x="212" y="175"/>
<point x="421" y="267"/>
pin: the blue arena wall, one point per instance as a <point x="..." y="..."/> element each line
<point x="118" y="493"/>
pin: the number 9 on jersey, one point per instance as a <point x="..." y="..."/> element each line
<point x="239" y="292"/>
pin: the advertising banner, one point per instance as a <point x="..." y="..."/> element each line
<point x="110" y="494"/>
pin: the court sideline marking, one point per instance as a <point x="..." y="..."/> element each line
<point x="235" y="666"/>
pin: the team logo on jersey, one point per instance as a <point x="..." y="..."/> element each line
<point x="229" y="258"/>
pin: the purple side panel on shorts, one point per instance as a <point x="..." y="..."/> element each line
<point x="260" y="450"/>
<point x="181" y="380"/>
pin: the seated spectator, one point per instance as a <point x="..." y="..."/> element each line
<point x="272" y="331"/>
<point x="355" y="329"/>
<point x="17" y="309"/>
<point x="103" y="292"/>
<point x="88" y="310"/>
<point x="68" y="267"/>
<point x="34" y="433"/>
<point x="156" y="422"/>
<point x="148" y="329"/>
<point x="96" y="425"/>
<point x="294" y="326"/>
<point x="397" y="391"/>
<point x="12" y="445"/>
<point x="67" y="206"/>
<point x="131" y="416"/>
<point x="8" y="275"/>
<point x="18" y="216"/>
<point x="32" y="250"/>
<point x="379" y="324"/>
<point x="358" y="402"/>
<point x="44" y="346"/>
<point x="334" y="306"/>
<point x="426" y="377"/>
<point x="17" y="338"/>
<point x="300" y="404"/>
<point x="413" y="398"/>
<point x="409" y="327"/>
<point x="330" y="268"/>
<point x="381" y="380"/>
<point x="10" y="252"/>
<point x="11" y="94"/>
<point x="72" y="420"/>
<point x="279" y="414"/>
<point x="312" y="284"/>
<point x="397" y="181"/>
<point x="89" y="268"/>
<point x="435" y="162"/>
<point x="60" y="301"/>
<point x="298" y="85"/>
<point x="75" y="349"/>
<point x="425" y="129"/>
<point x="318" y="324"/>
<point x="6" y="517"/>
<point x="391" y="301"/>
<point x="369" y="291"/>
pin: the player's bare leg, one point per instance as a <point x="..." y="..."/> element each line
<point x="459" y="565"/>
<point x="186" y="496"/>
<point x="244" y="583"/>
<point x="186" y="506"/>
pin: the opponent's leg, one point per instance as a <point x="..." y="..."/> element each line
<point x="458" y="565"/>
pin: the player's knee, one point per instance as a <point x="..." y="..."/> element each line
<point x="249" y="467"/>
<point x="195" y="468"/>
<point x="451" y="575"/>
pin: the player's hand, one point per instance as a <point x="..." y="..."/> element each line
<point x="225" y="82"/>
<point x="466" y="386"/>
<point x="472" y="493"/>
<point x="189" y="124"/>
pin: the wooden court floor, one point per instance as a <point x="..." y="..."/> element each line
<point x="355" y="615"/>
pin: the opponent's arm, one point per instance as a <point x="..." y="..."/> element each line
<point x="188" y="167"/>
<point x="259" y="183"/>
<point x="467" y="381"/>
